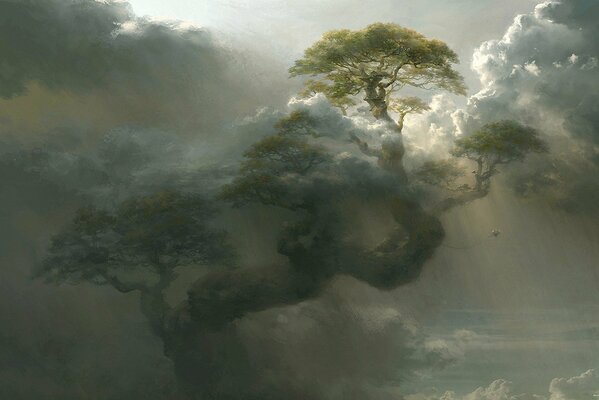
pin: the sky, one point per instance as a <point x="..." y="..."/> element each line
<point x="286" y="28"/>
<point x="106" y="101"/>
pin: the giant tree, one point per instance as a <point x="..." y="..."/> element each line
<point x="303" y="171"/>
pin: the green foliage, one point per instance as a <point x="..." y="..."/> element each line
<point x="153" y="234"/>
<point x="381" y="55"/>
<point x="263" y="187"/>
<point x="442" y="173"/>
<point x="499" y="143"/>
<point x="336" y="98"/>
<point x="280" y="154"/>
<point x="408" y="105"/>
<point x="297" y="123"/>
<point x="272" y="161"/>
<point x="169" y="225"/>
<point x="495" y="143"/>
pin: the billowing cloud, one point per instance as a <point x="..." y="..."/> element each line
<point x="340" y="346"/>
<point x="583" y="386"/>
<point x="499" y="389"/>
<point x="544" y="73"/>
<point x="431" y="134"/>
<point x="543" y="70"/>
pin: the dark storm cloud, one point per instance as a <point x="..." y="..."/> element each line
<point x="349" y="344"/>
<point x="71" y="71"/>
<point x="127" y="161"/>
<point x="97" y="65"/>
<point x="63" y="44"/>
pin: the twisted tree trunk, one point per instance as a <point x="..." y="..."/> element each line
<point x="155" y="308"/>
<point x="390" y="157"/>
<point x="376" y="96"/>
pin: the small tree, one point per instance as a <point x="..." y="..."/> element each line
<point x="137" y="247"/>
<point x="377" y="61"/>
<point x="497" y="143"/>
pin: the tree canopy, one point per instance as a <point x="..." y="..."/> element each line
<point x="149" y="234"/>
<point x="376" y="61"/>
<point x="273" y="162"/>
<point x="497" y="143"/>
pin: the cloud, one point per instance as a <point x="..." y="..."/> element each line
<point x="431" y="134"/>
<point x="95" y="65"/>
<point x="98" y="104"/>
<point x="340" y="346"/>
<point x="541" y="71"/>
<point x="583" y="386"/>
<point x="499" y="389"/>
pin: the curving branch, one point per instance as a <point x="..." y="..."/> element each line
<point x="460" y="200"/>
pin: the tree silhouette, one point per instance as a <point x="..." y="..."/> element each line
<point x="497" y="143"/>
<point x="137" y="247"/>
